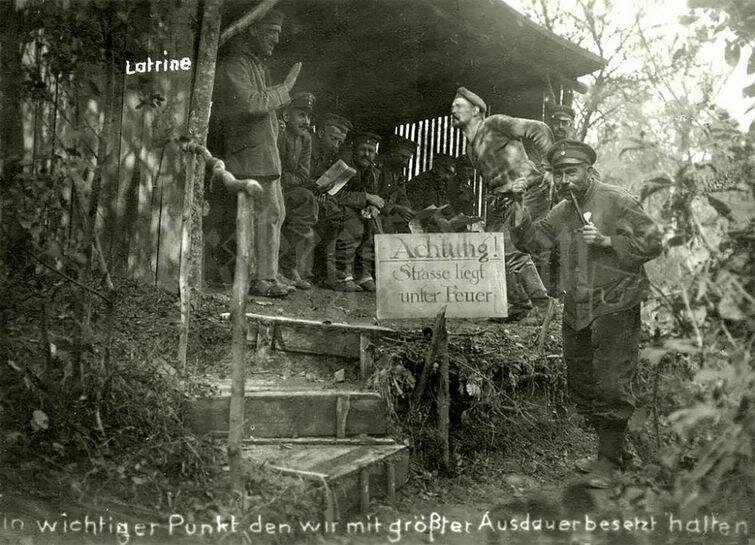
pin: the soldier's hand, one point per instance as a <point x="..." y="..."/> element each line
<point x="519" y="186"/>
<point x="293" y="74"/>
<point x="592" y="236"/>
<point x="252" y="187"/>
<point x="375" y="200"/>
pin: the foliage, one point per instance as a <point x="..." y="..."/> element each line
<point x="496" y="380"/>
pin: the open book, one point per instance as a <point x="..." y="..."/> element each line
<point x="338" y="174"/>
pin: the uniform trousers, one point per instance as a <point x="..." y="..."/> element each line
<point x="354" y="250"/>
<point x="297" y="234"/>
<point x="601" y="360"/>
<point x="327" y="228"/>
<point x="269" y="211"/>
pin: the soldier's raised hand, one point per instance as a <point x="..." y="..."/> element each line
<point x="293" y="74"/>
<point x="592" y="236"/>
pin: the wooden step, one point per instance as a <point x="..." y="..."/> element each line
<point x="278" y="338"/>
<point x="285" y="413"/>
<point x="351" y="475"/>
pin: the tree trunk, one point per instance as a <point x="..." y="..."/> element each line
<point x="189" y="275"/>
<point x="11" y="127"/>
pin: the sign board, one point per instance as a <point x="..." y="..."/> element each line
<point x="419" y="273"/>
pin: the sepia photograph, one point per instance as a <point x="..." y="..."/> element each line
<point x="362" y="272"/>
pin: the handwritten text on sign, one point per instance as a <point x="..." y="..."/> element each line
<point x="418" y="274"/>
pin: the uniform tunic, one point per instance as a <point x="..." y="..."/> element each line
<point x="297" y="241"/>
<point x="244" y="105"/>
<point x="604" y="289"/>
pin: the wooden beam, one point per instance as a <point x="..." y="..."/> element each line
<point x="247" y="20"/>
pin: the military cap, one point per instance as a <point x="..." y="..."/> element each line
<point x="302" y="101"/>
<point x="561" y="110"/>
<point x="396" y="141"/>
<point x="272" y="17"/>
<point x="365" y="136"/>
<point x="443" y="160"/>
<point x="471" y="97"/>
<point x="570" y="152"/>
<point x="336" y="120"/>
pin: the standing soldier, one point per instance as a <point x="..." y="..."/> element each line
<point x="244" y="109"/>
<point x="562" y="121"/>
<point x="604" y="238"/>
<point x="496" y="151"/>
<point x="297" y="234"/>
<point x="361" y="205"/>
<point x="332" y="131"/>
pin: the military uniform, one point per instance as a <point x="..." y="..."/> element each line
<point x="354" y="247"/>
<point x="330" y="217"/>
<point x="246" y="131"/>
<point x="604" y="289"/>
<point x="497" y="153"/>
<point x="431" y="188"/>
<point x="392" y="183"/>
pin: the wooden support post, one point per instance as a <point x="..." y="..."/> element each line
<point x="343" y="404"/>
<point x="238" y="346"/>
<point x="444" y="395"/>
<point x="427" y="367"/>
<point x="390" y="481"/>
<point x="366" y="359"/>
<point x="189" y="272"/>
<point x="240" y="25"/>
<point x="364" y="478"/>
<point x="550" y="309"/>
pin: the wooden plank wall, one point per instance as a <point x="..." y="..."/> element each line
<point x="139" y="218"/>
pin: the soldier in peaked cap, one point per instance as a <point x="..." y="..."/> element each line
<point x="246" y="127"/>
<point x="360" y="204"/>
<point x="332" y="131"/>
<point x="297" y="234"/>
<point x="562" y="121"/>
<point x="394" y="158"/>
<point x="495" y="149"/>
<point x="604" y="238"/>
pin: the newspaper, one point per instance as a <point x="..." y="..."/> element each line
<point x="338" y="174"/>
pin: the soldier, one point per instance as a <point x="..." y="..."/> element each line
<point x="332" y="131"/>
<point x="562" y="121"/>
<point x="360" y="204"/>
<point x="605" y="238"/>
<point x="394" y="158"/>
<point x="461" y="189"/>
<point x="496" y="151"/>
<point x="244" y="110"/>
<point x="297" y="234"/>
<point x="431" y="187"/>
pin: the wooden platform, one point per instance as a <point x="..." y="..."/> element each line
<point x="334" y="435"/>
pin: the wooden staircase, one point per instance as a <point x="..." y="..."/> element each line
<point x="334" y="436"/>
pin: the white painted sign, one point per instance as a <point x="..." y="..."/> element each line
<point x="419" y="273"/>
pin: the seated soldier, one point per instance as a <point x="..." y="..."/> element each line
<point x="394" y="158"/>
<point x="431" y="187"/>
<point x="332" y="131"/>
<point x="361" y="207"/>
<point x="461" y="189"/>
<point x="297" y="234"/>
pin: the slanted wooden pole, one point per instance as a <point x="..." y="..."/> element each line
<point x="241" y="24"/>
<point x="444" y="396"/>
<point x="427" y="366"/>
<point x="550" y="309"/>
<point x="191" y="216"/>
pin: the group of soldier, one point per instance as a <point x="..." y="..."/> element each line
<point x="544" y="196"/>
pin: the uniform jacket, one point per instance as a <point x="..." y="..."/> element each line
<point x="497" y="152"/>
<point x="244" y="107"/>
<point x="392" y="188"/>
<point x="322" y="160"/>
<point x="353" y="196"/>
<point x="598" y="281"/>
<point x="295" y="156"/>
<point x="425" y="190"/>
